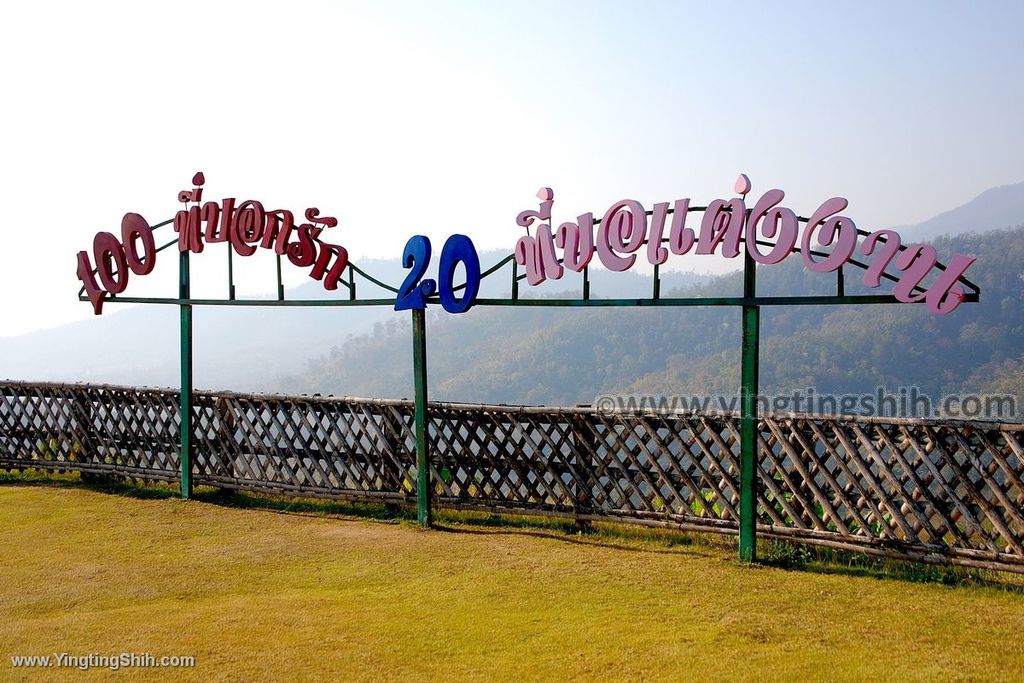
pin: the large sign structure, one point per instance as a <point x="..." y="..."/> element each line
<point x="764" y="234"/>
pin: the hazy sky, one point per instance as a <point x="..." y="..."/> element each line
<point x="433" y="118"/>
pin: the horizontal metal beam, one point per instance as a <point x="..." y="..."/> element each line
<point x="247" y="302"/>
<point x="825" y="300"/>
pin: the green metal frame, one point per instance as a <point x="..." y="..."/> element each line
<point x="749" y="353"/>
<point x="186" y="427"/>
<point x="419" y="369"/>
<point x="749" y="302"/>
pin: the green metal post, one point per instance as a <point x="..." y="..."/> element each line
<point x="748" y="416"/>
<point x="185" y="434"/>
<point x="231" y="275"/>
<point x="280" y="282"/>
<point x="419" y="369"/>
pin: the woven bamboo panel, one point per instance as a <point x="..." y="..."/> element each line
<point x="920" y="489"/>
<point x="99" y="429"/>
<point x="677" y="470"/>
<point x="928" y="490"/>
<point x="339" y="448"/>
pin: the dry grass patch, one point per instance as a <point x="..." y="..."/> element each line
<point x="270" y="595"/>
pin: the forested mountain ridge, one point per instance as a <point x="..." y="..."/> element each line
<point x="244" y="348"/>
<point x="856" y="349"/>
<point x="995" y="208"/>
<point x="568" y="356"/>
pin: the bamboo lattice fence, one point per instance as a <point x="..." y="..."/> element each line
<point x="928" y="490"/>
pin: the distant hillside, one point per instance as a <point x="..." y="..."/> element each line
<point x="567" y="356"/>
<point x="999" y="207"/>
<point x="240" y="348"/>
<point x="976" y="348"/>
<point x="233" y="348"/>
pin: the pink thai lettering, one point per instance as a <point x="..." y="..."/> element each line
<point x="888" y="244"/>
<point x="278" y="230"/>
<point x="246" y="228"/>
<point x="196" y="193"/>
<point x="576" y="240"/>
<point x="227" y="216"/>
<point x="657" y="254"/>
<point x="187" y="223"/>
<point x="833" y="229"/>
<point x="722" y="224"/>
<point x="331" y="262"/>
<point x="526" y="218"/>
<point x="211" y="216"/>
<point x="742" y="185"/>
<point x="680" y="237"/>
<point x="313" y="216"/>
<point x="302" y="253"/>
<point x="914" y="263"/>
<point x="623" y="230"/>
<point x="538" y="256"/>
<point x="945" y="294"/>
<point x="774" y="222"/>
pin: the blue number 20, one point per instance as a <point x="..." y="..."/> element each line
<point x="458" y="248"/>
<point x="413" y="294"/>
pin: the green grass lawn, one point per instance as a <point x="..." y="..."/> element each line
<point x="275" y="594"/>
